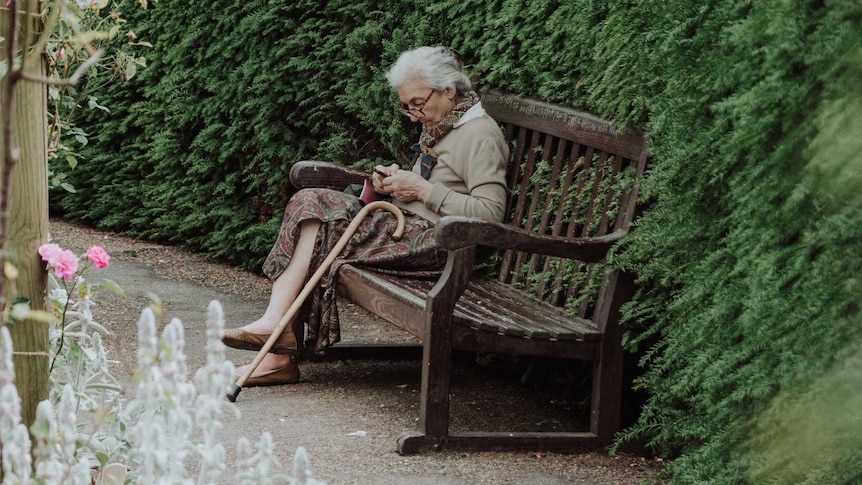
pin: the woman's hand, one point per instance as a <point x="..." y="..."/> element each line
<point x="407" y="186"/>
<point x="377" y="179"/>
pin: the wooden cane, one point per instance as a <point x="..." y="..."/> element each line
<point x="235" y="388"/>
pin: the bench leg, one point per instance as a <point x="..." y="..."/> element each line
<point x="413" y="442"/>
<point x="434" y="397"/>
<point x="436" y="369"/>
<point x="606" y="401"/>
<point x="437" y="354"/>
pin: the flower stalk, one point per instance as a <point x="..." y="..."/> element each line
<point x="166" y="432"/>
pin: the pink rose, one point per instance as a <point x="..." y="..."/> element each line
<point x="49" y="253"/>
<point x="98" y="256"/>
<point x="65" y="265"/>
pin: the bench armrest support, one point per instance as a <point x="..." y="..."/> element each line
<point x="314" y="174"/>
<point x="455" y="232"/>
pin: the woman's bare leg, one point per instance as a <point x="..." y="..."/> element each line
<point x="289" y="283"/>
<point x="285" y="289"/>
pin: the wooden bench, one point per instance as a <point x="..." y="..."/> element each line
<point x="572" y="182"/>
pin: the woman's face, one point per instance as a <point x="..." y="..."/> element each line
<point x="423" y="104"/>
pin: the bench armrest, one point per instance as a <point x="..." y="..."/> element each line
<point x="456" y="232"/>
<point x="313" y="174"/>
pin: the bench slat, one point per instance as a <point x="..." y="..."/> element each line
<point x="556" y="229"/>
<point x="544" y="321"/>
<point x="470" y="312"/>
<point x="559" y="163"/>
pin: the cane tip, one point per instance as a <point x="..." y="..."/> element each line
<point x="233" y="392"/>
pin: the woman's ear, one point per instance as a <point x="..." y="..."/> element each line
<point x="450" y="92"/>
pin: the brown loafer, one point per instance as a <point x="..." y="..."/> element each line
<point x="277" y="377"/>
<point x="240" y="339"/>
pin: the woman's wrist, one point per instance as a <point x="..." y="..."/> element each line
<point x="425" y="191"/>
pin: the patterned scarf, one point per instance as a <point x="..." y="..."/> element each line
<point x="430" y="136"/>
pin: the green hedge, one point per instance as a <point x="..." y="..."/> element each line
<point x="755" y="271"/>
<point x="750" y="250"/>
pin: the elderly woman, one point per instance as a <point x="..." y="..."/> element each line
<point x="458" y="168"/>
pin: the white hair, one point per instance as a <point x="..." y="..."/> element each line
<point x="439" y="67"/>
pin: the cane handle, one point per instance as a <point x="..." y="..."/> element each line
<point x="380" y="204"/>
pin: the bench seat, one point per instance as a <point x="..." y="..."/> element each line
<point x="486" y="306"/>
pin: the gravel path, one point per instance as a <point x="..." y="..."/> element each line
<point x="334" y="401"/>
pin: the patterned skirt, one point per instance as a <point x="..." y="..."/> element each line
<point x="416" y="254"/>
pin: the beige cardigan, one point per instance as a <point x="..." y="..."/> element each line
<point x="470" y="176"/>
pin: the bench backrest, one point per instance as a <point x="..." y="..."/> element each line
<point x="570" y="174"/>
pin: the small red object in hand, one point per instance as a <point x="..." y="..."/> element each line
<point x="368" y="194"/>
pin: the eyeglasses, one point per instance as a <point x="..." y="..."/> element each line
<point x="408" y="111"/>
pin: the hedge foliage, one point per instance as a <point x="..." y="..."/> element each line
<point x="750" y="252"/>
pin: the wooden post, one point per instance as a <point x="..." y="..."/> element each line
<point x="28" y="210"/>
